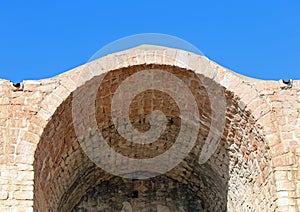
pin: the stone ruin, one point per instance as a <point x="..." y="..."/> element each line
<point x="255" y="166"/>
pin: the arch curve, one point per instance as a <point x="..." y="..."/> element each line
<point x="246" y="113"/>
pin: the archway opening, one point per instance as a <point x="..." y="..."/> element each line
<point x="234" y="178"/>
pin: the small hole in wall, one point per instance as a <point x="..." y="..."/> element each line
<point x="135" y="194"/>
<point x="17" y="85"/>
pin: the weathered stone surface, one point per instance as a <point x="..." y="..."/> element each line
<point x="255" y="167"/>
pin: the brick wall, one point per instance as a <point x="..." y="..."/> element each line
<point x="255" y="167"/>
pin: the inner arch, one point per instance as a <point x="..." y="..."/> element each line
<point x="66" y="179"/>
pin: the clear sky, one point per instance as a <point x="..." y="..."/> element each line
<point x="258" y="38"/>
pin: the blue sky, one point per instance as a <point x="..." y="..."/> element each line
<point x="41" y="39"/>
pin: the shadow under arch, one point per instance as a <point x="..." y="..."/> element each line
<point x="237" y="177"/>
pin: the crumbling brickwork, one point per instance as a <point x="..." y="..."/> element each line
<point x="255" y="167"/>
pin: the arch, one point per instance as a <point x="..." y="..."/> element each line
<point x="243" y="87"/>
<point x="254" y="113"/>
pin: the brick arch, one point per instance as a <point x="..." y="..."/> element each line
<point x="240" y="87"/>
<point x="243" y="87"/>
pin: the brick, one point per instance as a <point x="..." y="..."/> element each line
<point x="285" y="186"/>
<point x="284" y="160"/>
<point x="285" y="201"/>
<point x="22" y="209"/>
<point x="280" y="149"/>
<point x="23" y="195"/>
<point x="3" y="195"/>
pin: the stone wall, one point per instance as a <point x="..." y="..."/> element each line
<point x="255" y="167"/>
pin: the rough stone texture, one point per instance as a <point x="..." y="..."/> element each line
<point x="143" y="195"/>
<point x="254" y="168"/>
